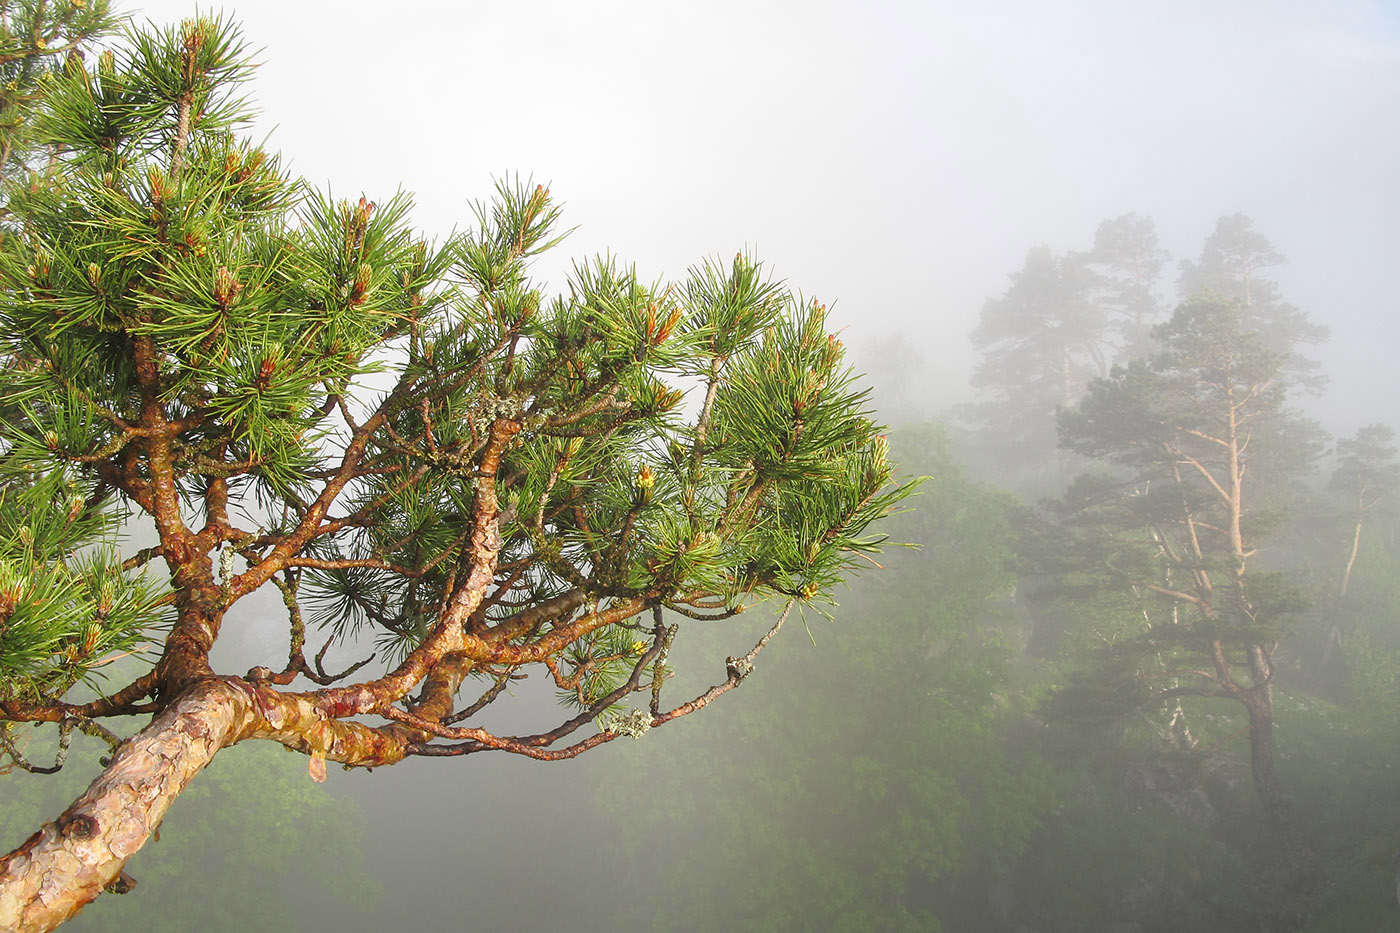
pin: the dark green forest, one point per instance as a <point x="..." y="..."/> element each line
<point x="1127" y="662"/>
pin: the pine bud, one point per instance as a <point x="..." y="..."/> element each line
<point x="192" y="31"/>
<point x="360" y="285"/>
<point x="226" y="287"/>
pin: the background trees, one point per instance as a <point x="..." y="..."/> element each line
<point x="1232" y="267"/>
<point x="1064" y="321"/>
<point x="1127" y="260"/>
<point x="1042" y="342"/>
<point x="1366" y="474"/>
<point x="1186" y="568"/>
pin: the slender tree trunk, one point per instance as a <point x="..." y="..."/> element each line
<point x="1261" y="761"/>
<point x="1351" y="558"/>
<point x="1295" y="863"/>
<point x="1259" y="701"/>
<point x="69" y="861"/>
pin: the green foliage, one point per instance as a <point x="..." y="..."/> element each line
<point x="162" y="249"/>
<point x="37" y="41"/>
<point x="771" y="487"/>
<point x="178" y="235"/>
<point x="63" y="557"/>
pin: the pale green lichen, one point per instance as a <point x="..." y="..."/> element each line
<point x="630" y="722"/>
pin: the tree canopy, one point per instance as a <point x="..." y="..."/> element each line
<point x="407" y="439"/>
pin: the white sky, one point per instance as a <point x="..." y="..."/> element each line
<point x="896" y="158"/>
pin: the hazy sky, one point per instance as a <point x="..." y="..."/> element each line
<point x="895" y="158"/>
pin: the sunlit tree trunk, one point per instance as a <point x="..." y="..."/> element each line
<point x="1355" y="540"/>
<point x="69" y="861"/>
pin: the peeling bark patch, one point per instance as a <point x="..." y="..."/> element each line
<point x="78" y="826"/>
<point x="124" y="844"/>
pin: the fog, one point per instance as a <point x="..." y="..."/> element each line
<point x="897" y="160"/>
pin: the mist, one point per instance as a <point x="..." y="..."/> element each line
<point x="902" y="763"/>
<point x="894" y="159"/>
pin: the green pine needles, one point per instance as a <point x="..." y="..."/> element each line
<point x="410" y="440"/>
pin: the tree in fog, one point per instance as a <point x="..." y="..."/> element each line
<point x="1201" y="437"/>
<point x="406" y="440"/>
<point x="1127" y="260"/>
<point x="1233" y="264"/>
<point x="1041" y="343"/>
<point x="1063" y="322"/>
<point x="1366" y="474"/>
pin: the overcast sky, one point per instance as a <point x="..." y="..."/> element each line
<point x="897" y="159"/>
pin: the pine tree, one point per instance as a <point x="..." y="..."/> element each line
<point x="1041" y="344"/>
<point x="1199" y="436"/>
<point x="1233" y="265"/>
<point x="1366" y="474"/>
<point x="1127" y="260"/>
<point x="408" y="440"/>
<point x="1062" y="323"/>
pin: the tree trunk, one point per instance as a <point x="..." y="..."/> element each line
<point x="1292" y="862"/>
<point x="1351" y="558"/>
<point x="1261" y="762"/>
<point x="68" y="862"/>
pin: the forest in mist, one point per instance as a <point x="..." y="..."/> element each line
<point x="1125" y="661"/>
<point x="1043" y="716"/>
